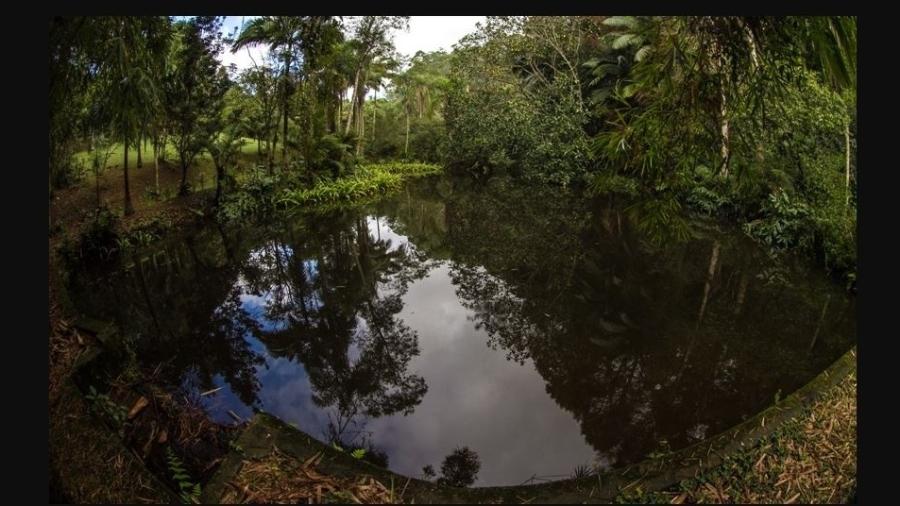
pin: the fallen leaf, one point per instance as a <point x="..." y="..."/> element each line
<point x="139" y="405"/>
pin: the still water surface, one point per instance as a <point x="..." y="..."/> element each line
<point x="541" y="331"/>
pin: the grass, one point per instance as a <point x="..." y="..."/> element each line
<point x="248" y="149"/>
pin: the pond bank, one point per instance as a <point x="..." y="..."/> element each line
<point x="791" y="451"/>
<point x="803" y="448"/>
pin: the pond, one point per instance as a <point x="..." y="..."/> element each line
<point x="540" y="330"/>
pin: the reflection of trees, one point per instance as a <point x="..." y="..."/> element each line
<point x="182" y="310"/>
<point x="336" y="293"/>
<point x="325" y="293"/>
<point x="639" y="342"/>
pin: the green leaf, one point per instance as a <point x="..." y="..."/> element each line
<point x="626" y="40"/>
<point x="642" y="53"/>
<point x="621" y="21"/>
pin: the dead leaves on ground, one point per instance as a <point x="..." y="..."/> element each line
<point x="278" y="478"/>
<point x="811" y="460"/>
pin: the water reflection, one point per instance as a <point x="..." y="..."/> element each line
<point x="540" y="331"/>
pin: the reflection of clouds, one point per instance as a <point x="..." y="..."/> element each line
<point x="287" y="394"/>
<point x="476" y="398"/>
<point x="380" y="229"/>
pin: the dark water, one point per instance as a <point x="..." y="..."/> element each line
<point x="541" y="331"/>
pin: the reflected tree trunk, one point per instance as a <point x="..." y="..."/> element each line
<point x="143" y="284"/>
<point x="819" y="325"/>
<point x="713" y="261"/>
<point x="742" y="293"/>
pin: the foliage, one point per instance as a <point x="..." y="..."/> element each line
<point x="368" y="181"/>
<point x="605" y="183"/>
<point x="106" y="407"/>
<point x="362" y="184"/>
<point x="786" y="224"/>
<point x="255" y="194"/>
<point x="515" y="102"/>
<point x="98" y="239"/>
<point x="188" y="490"/>
<point x="460" y="468"/>
<point x="195" y="86"/>
<point x="660" y="218"/>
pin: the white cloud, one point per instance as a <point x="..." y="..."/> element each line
<point x="430" y="33"/>
<point x="426" y="33"/>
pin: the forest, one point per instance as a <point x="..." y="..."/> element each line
<point x="726" y="145"/>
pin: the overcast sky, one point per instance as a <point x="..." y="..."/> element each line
<point x="426" y="33"/>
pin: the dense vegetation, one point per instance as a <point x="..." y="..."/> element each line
<point x="750" y="120"/>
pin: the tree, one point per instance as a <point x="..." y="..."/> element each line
<point x="260" y="83"/>
<point x="422" y="88"/>
<point x="460" y="468"/>
<point x="136" y="42"/>
<point x="194" y="88"/>
<point x="231" y="125"/>
<point x="371" y="40"/>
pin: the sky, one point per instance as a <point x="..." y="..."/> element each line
<point x="426" y="33"/>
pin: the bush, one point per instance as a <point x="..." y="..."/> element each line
<point x="460" y="468"/>
<point x="99" y="239"/>
<point x="787" y="223"/>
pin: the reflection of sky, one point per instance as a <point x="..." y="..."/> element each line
<point x="501" y="410"/>
<point x="379" y="229"/>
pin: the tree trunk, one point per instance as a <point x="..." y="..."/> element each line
<point x="220" y="174"/>
<point x="183" y="189"/>
<point x="284" y="106"/>
<point x="284" y="134"/>
<point x="337" y="122"/>
<point x="723" y="116"/>
<point x="406" y="147"/>
<point x="361" y="121"/>
<point x="374" y="106"/>
<point x="97" y="180"/>
<point x="273" y="146"/>
<point x="156" y="164"/>
<point x="140" y="149"/>
<point x="847" y="161"/>
<point x="129" y="209"/>
<point x="352" y="101"/>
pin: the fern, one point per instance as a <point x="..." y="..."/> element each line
<point x="188" y="490"/>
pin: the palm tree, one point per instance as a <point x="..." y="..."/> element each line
<point x="380" y="71"/>
<point x="420" y="87"/>
<point x="283" y="36"/>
